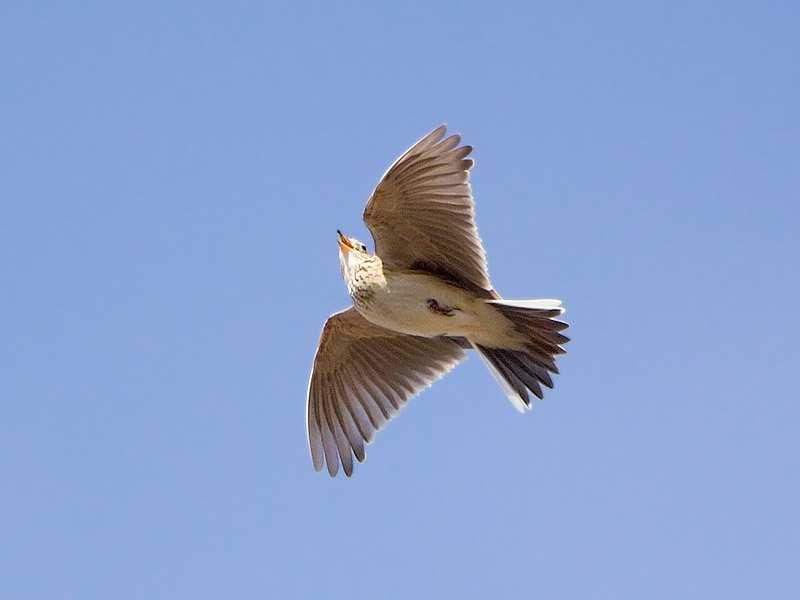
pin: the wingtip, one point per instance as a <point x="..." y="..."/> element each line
<point x="438" y="133"/>
<point x="333" y="468"/>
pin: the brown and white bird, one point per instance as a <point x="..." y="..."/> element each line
<point x="418" y="303"/>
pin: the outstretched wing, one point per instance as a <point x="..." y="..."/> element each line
<point x="362" y="376"/>
<point x="421" y="214"/>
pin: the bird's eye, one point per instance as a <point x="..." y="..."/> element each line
<point x="363" y="248"/>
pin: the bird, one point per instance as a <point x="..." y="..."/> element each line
<point x="419" y="302"/>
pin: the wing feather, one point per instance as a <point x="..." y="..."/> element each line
<point x="362" y="376"/>
<point x="422" y="216"/>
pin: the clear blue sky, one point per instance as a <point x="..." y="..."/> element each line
<point x="172" y="178"/>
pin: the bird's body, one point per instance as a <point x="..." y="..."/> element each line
<point x="402" y="301"/>
<point x="418" y="303"/>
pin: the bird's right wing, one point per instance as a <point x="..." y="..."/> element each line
<point x="362" y="376"/>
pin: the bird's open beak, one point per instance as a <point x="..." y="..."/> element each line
<point x="344" y="243"/>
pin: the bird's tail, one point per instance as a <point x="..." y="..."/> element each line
<point x="528" y="368"/>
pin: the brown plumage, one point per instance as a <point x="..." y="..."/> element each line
<point x="418" y="302"/>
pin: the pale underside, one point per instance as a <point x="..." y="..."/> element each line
<point x="403" y="304"/>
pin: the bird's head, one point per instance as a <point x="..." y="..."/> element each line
<point x="352" y="253"/>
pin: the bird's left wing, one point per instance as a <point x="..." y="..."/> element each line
<point x="362" y="376"/>
<point x="421" y="214"/>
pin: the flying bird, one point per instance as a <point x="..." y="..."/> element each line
<point x="418" y="302"/>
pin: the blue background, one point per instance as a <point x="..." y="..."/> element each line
<point x="172" y="178"/>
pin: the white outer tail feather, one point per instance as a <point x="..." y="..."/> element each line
<point x="542" y="304"/>
<point x="513" y="396"/>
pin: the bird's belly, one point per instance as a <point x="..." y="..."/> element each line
<point x="419" y="304"/>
